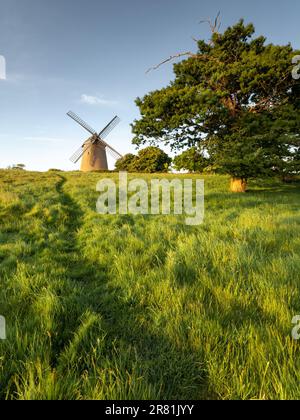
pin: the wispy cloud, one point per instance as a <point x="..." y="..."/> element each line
<point x="96" y="101"/>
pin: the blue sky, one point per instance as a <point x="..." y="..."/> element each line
<point x="91" y="57"/>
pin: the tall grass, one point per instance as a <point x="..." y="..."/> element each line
<point x="145" y="307"/>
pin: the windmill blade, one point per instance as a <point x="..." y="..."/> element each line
<point x="116" y="155"/>
<point x="80" y="152"/>
<point x="81" y="122"/>
<point x="106" y="130"/>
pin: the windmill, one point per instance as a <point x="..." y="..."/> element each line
<point x="93" y="151"/>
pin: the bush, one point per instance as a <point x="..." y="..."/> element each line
<point x="150" y="160"/>
<point x="126" y="162"/>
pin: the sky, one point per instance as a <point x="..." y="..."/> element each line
<point x="91" y="57"/>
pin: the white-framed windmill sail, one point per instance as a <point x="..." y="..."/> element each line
<point x="93" y="151"/>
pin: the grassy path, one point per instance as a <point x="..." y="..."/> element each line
<point x="113" y="307"/>
<point x="75" y="335"/>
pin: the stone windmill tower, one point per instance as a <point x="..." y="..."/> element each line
<point x="93" y="151"/>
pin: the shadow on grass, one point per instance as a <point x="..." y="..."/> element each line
<point x="172" y="372"/>
<point x="255" y="196"/>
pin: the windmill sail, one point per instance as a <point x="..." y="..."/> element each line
<point x="96" y="147"/>
<point x="81" y="122"/>
<point x="113" y="153"/>
<point x="80" y="152"/>
<point x="108" y="129"/>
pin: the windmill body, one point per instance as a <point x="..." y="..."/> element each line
<point x="95" y="158"/>
<point x="93" y="151"/>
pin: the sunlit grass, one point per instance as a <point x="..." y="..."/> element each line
<point x="145" y="307"/>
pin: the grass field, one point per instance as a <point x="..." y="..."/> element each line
<point x="145" y="307"/>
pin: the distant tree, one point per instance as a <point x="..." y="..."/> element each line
<point x="234" y="99"/>
<point x="191" y="160"/>
<point x="19" y="166"/>
<point x="125" y="163"/>
<point x="150" y="160"/>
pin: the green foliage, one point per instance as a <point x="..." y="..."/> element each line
<point x="235" y="99"/>
<point x="18" y="166"/>
<point x="125" y="162"/>
<point x="149" y="160"/>
<point x="191" y="160"/>
<point x="145" y="307"/>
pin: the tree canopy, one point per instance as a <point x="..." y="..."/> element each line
<point x="149" y="160"/>
<point x="235" y="99"/>
<point x="191" y="160"/>
<point x="125" y="162"/>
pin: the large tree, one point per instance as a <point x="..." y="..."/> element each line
<point x="235" y="99"/>
<point x="191" y="160"/>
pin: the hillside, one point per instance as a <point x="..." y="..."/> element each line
<point x="145" y="307"/>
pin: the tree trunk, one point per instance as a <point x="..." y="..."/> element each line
<point x="238" y="185"/>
